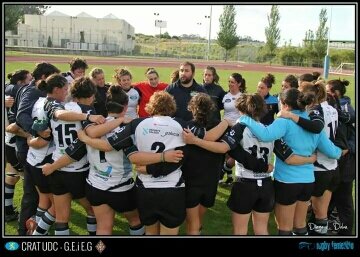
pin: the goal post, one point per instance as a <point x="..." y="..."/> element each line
<point x="345" y="68"/>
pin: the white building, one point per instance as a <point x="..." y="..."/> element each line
<point x="73" y="32"/>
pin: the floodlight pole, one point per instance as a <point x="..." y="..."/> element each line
<point x="210" y="17"/>
<point x="327" y="57"/>
<point x="156" y="14"/>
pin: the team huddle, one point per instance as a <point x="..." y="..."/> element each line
<point x="157" y="152"/>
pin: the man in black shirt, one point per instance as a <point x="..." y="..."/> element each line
<point x="183" y="89"/>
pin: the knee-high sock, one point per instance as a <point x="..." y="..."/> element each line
<point x="91" y="225"/>
<point x="62" y="229"/>
<point x="138" y="230"/>
<point x="227" y="169"/>
<point x="44" y="224"/>
<point x="39" y="213"/>
<point x="9" y="196"/>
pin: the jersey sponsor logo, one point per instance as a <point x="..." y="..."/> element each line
<point x="133" y="97"/>
<point x="154" y="131"/>
<point x="121" y="129"/>
<point x="145" y="131"/>
<point x="114" y="137"/>
<point x="117" y="130"/>
<point x="157" y="124"/>
<point x="169" y="133"/>
<point x="150" y="131"/>
<point x="105" y="175"/>
<point x="227" y="100"/>
<point x="193" y="93"/>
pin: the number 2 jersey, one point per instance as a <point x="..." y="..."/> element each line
<point x="65" y="132"/>
<point x="155" y="134"/>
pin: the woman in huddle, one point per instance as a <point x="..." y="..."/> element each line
<point x="293" y="183"/>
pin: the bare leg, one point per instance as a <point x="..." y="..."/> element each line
<point x="260" y="223"/>
<point x="105" y="219"/>
<point x="240" y="223"/>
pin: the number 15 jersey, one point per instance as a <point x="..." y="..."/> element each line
<point x="65" y="132"/>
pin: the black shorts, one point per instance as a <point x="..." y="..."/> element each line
<point x="289" y="193"/>
<point x="41" y="181"/>
<point x="325" y="180"/>
<point x="247" y="195"/>
<point x="118" y="201"/>
<point x="204" y="195"/>
<point x="62" y="182"/>
<point x="166" y="205"/>
<point x="11" y="157"/>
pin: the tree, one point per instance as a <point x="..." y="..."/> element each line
<point x="321" y="36"/>
<point x="315" y="44"/>
<point x="272" y="32"/>
<point x="309" y="44"/>
<point x="166" y="35"/>
<point x="15" y="14"/>
<point x="227" y="37"/>
<point x="49" y="42"/>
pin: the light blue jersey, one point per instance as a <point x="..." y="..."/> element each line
<point x="301" y="142"/>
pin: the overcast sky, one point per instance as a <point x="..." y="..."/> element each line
<point x="251" y="20"/>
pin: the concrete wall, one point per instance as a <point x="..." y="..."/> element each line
<point x="37" y="29"/>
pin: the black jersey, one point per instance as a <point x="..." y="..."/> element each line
<point x="100" y="100"/>
<point x="201" y="167"/>
<point x="182" y="97"/>
<point x="217" y="94"/>
<point x="272" y="107"/>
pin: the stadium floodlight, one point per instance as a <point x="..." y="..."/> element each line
<point x="209" y="17"/>
<point x="327" y="57"/>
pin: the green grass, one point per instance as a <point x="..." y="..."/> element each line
<point x="218" y="218"/>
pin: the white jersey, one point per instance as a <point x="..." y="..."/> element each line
<point x="230" y="111"/>
<point x="158" y="134"/>
<point x="134" y="98"/>
<point x="108" y="170"/>
<point x="324" y="163"/>
<point x="64" y="133"/>
<point x="263" y="150"/>
<point x="69" y="77"/>
<point x="9" y="137"/>
<point x="35" y="157"/>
